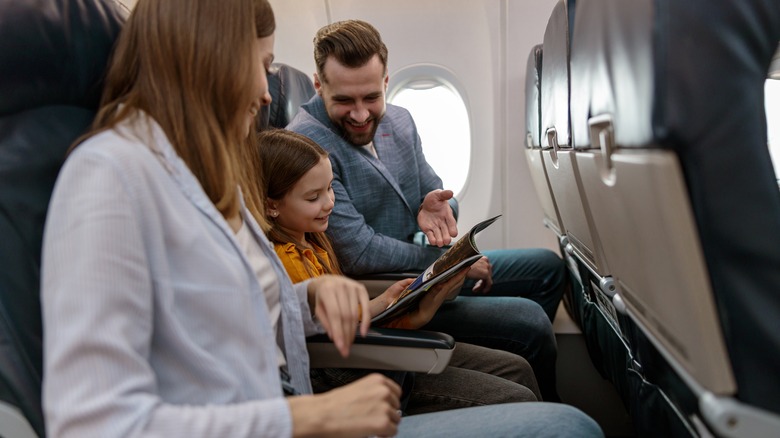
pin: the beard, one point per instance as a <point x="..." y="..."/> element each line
<point x="357" y="138"/>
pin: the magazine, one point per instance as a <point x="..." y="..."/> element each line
<point x="459" y="256"/>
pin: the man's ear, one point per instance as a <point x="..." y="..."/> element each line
<point x="387" y="80"/>
<point x="317" y="84"/>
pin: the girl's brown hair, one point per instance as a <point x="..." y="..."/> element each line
<point x="188" y="64"/>
<point x="285" y="157"/>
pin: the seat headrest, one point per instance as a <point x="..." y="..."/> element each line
<point x="612" y="69"/>
<point x="54" y="52"/>
<point x="289" y="88"/>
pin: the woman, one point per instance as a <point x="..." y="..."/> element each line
<point x="157" y="321"/>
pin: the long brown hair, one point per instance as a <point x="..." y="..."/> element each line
<point x="285" y="156"/>
<point x="188" y="64"/>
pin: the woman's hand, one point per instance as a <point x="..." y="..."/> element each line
<point x="338" y="303"/>
<point x="482" y="271"/>
<point x="367" y="407"/>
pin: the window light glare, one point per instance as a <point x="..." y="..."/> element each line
<point x="443" y="125"/>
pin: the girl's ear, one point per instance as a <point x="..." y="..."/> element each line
<point x="271" y="208"/>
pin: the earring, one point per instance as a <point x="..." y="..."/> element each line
<point x="274" y="213"/>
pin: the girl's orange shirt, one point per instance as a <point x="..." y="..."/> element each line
<point x="295" y="263"/>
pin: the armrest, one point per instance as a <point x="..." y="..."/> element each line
<point x="13" y="423"/>
<point x="386" y="349"/>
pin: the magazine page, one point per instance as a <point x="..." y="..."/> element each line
<point x="461" y="255"/>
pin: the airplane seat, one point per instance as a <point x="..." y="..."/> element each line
<point x="289" y="88"/>
<point x="533" y="151"/>
<point x="52" y="59"/>
<point x="669" y="103"/>
<point x="590" y="298"/>
<point x="581" y="239"/>
<point x="535" y="160"/>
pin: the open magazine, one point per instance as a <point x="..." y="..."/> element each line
<point x="459" y="256"/>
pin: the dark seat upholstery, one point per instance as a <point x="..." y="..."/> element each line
<point x="668" y="100"/>
<point x="52" y="58"/>
<point x="709" y="109"/>
<point x="289" y="88"/>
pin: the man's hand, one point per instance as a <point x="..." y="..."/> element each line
<point x="482" y="271"/>
<point x="436" y="219"/>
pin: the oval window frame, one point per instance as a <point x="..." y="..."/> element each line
<point x="436" y="75"/>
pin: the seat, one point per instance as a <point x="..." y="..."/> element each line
<point x="533" y="151"/>
<point x="50" y="81"/>
<point x="590" y="301"/>
<point x="289" y="88"/>
<point x="559" y="156"/>
<point x="684" y="199"/>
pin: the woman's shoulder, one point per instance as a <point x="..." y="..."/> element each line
<point x="125" y="144"/>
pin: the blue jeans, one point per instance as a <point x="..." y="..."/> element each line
<point x="536" y="274"/>
<point x="530" y="419"/>
<point x="512" y="324"/>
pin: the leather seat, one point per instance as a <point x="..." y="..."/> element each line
<point x="52" y="57"/>
<point x="675" y="167"/>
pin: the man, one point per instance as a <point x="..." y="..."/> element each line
<point x="385" y="192"/>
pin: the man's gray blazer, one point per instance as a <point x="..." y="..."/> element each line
<point x="376" y="199"/>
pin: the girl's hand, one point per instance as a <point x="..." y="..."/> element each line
<point x="381" y="302"/>
<point x="338" y="303"/>
<point x="433" y="299"/>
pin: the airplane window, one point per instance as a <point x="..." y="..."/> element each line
<point x="443" y="124"/>
<point x="772" y="102"/>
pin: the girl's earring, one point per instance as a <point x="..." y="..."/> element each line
<point x="274" y="213"/>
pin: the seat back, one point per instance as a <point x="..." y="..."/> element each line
<point x="289" y="88"/>
<point x="533" y="151"/>
<point x="667" y="109"/>
<point x="559" y="157"/>
<point x="52" y="58"/>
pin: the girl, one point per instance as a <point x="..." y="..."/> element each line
<point x="296" y="178"/>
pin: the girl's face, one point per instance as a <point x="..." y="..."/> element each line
<point x="307" y="206"/>
<point x="264" y="52"/>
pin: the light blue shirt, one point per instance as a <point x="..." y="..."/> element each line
<point x="154" y="321"/>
